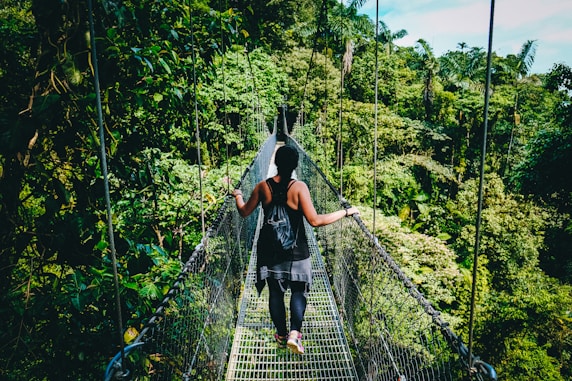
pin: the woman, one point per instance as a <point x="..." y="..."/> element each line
<point x="295" y="272"/>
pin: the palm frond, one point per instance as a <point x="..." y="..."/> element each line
<point x="526" y="57"/>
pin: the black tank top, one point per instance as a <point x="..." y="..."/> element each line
<point x="301" y="251"/>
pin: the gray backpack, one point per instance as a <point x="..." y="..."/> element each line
<point x="276" y="233"/>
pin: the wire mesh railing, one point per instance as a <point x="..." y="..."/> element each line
<point x="189" y="335"/>
<point x="394" y="330"/>
<point x="397" y="334"/>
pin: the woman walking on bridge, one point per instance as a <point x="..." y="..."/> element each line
<point x="295" y="270"/>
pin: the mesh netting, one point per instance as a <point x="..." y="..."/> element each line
<point x="395" y="332"/>
<point x="381" y="323"/>
<point x="190" y="334"/>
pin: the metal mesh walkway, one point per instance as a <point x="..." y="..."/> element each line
<point x="254" y="352"/>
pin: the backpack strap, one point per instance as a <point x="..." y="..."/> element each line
<point x="273" y="185"/>
<point x="292" y="181"/>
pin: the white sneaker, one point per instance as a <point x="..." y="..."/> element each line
<point x="295" y="342"/>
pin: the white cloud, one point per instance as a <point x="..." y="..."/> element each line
<point x="445" y="23"/>
<point x="514" y="14"/>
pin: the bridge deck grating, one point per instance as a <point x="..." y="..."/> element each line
<point x="255" y="355"/>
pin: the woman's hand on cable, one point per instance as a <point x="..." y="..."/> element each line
<point x="351" y="211"/>
<point x="237" y="192"/>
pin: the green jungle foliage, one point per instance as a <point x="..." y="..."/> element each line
<point x="164" y="89"/>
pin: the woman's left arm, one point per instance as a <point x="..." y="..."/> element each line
<point x="306" y="205"/>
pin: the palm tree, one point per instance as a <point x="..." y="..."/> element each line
<point x="430" y="67"/>
<point x="346" y="23"/>
<point x="386" y="37"/>
<point x="519" y="67"/>
<point x="464" y="69"/>
<point x="463" y="72"/>
<point x="351" y="27"/>
<point x="525" y="59"/>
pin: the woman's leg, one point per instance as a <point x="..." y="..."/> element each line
<point x="277" y="307"/>
<point x="297" y="305"/>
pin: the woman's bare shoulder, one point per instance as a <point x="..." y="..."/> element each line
<point x="299" y="186"/>
<point x="299" y="183"/>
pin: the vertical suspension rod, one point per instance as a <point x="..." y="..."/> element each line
<point x="106" y="182"/>
<point x="197" y="132"/>
<point x="225" y="115"/>
<point x="340" y="145"/>
<point x="481" y="186"/>
<point x="375" y="109"/>
<point x="376" y="104"/>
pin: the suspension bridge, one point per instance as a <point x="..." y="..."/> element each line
<point x="365" y="319"/>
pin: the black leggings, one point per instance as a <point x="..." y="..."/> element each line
<point x="278" y="309"/>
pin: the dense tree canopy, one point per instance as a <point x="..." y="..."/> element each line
<point x="189" y="90"/>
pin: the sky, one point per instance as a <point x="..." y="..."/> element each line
<point x="446" y="23"/>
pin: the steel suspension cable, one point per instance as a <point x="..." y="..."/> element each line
<point x="481" y="186"/>
<point x="322" y="16"/>
<point x="105" y="174"/>
<point x="375" y="109"/>
<point x="370" y="262"/>
<point x="375" y="150"/>
<point x="311" y="63"/>
<point x="340" y="112"/>
<point x="239" y="124"/>
<point x="255" y="91"/>
<point x="225" y="113"/>
<point x="326" y="92"/>
<point x="197" y="132"/>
